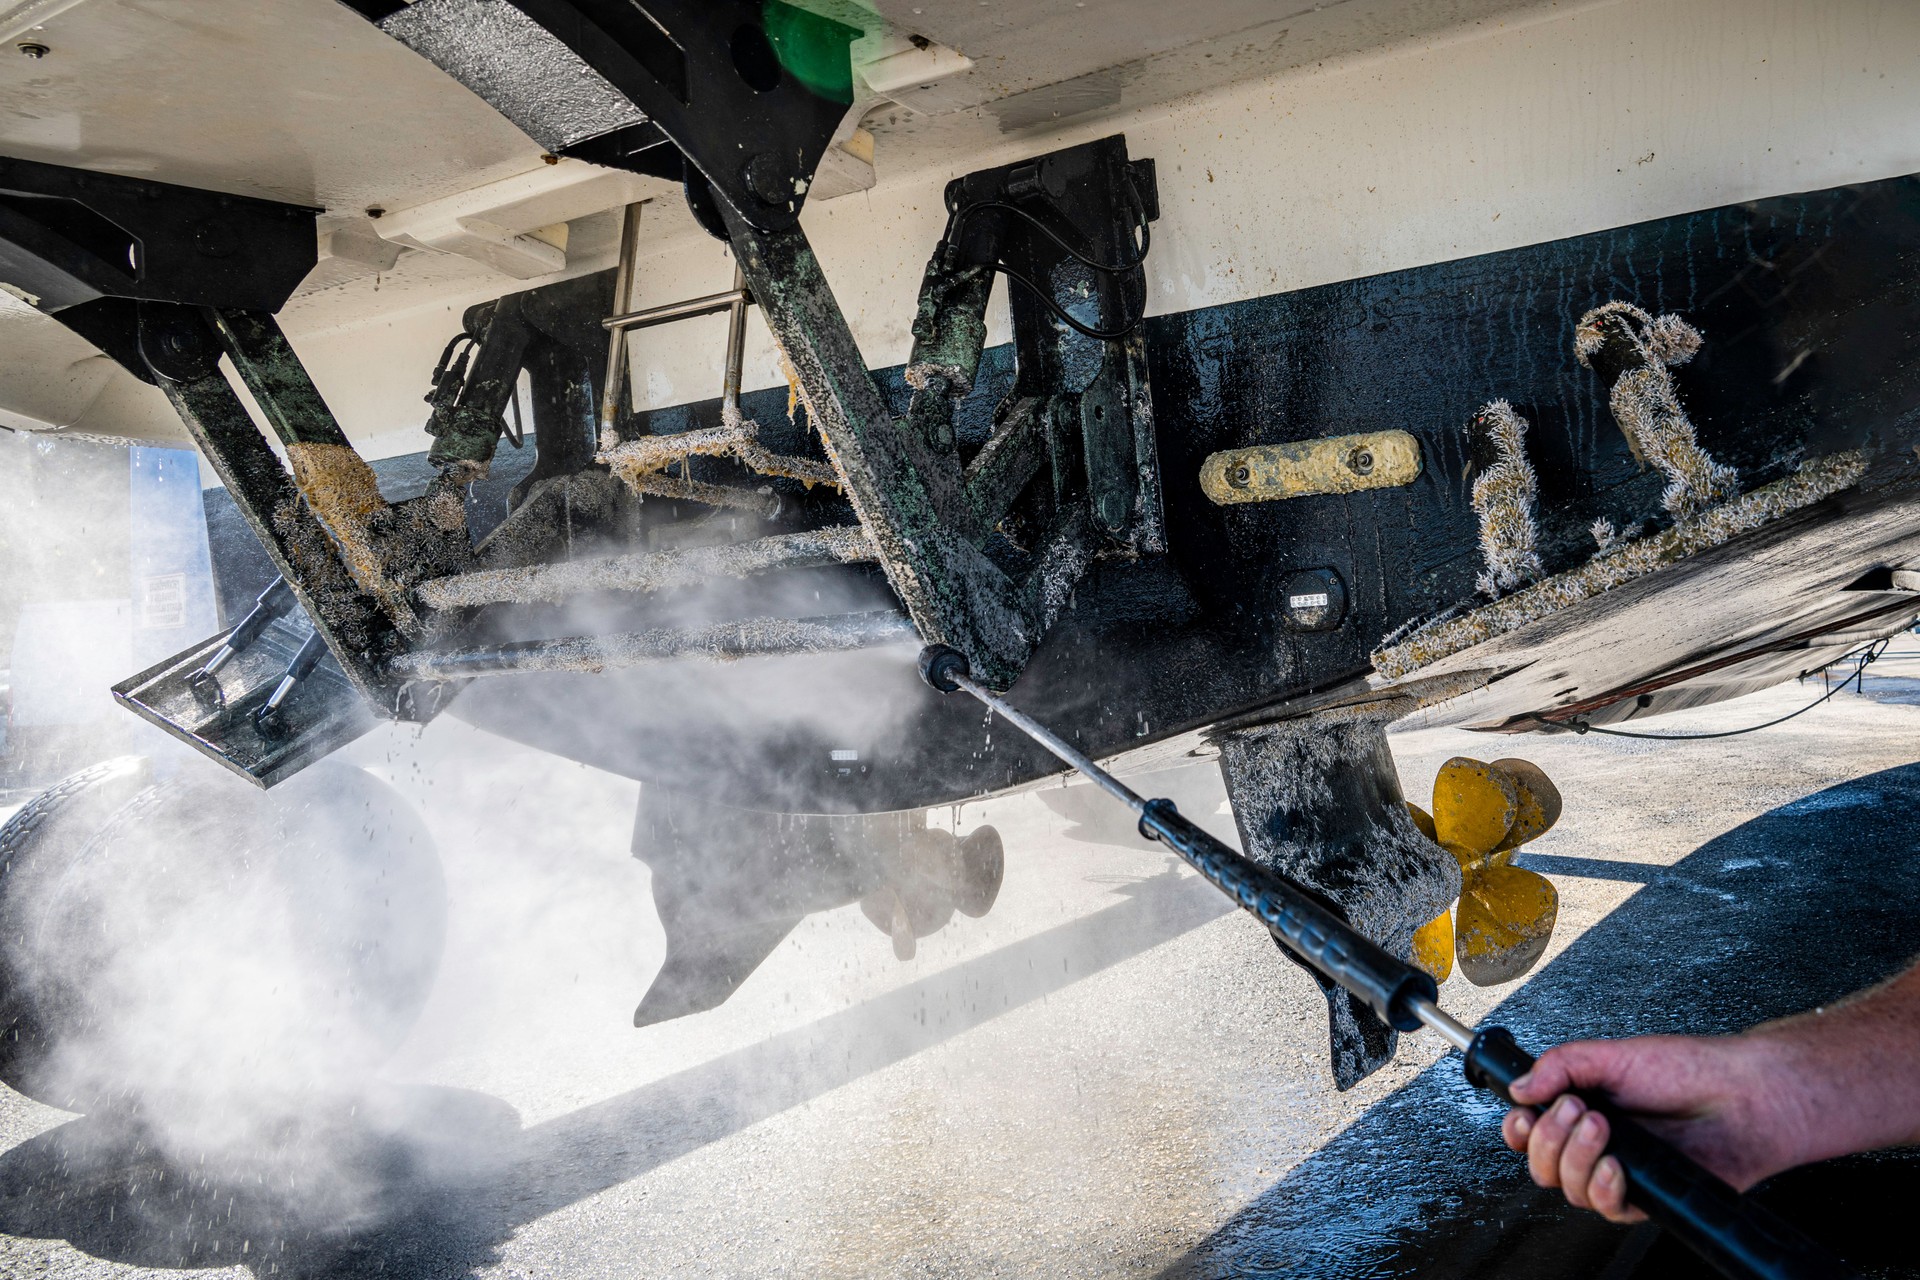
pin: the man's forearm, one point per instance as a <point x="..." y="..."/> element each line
<point x="1851" y="1071"/>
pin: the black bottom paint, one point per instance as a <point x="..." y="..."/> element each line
<point x="1807" y="303"/>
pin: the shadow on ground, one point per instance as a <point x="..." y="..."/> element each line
<point x="423" y="1182"/>
<point x="1793" y="909"/>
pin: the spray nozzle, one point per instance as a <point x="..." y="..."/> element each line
<point x="940" y="663"/>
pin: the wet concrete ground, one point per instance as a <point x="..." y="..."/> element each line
<point x="1111" y="1074"/>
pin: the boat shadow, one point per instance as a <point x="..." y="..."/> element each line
<point x="1794" y="909"/>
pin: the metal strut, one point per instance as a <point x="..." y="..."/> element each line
<point x="1739" y="1237"/>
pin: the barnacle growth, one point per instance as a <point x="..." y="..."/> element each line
<point x="1503" y="498"/>
<point x="1633" y="351"/>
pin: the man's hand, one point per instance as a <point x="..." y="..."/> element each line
<point x="1819" y="1084"/>
<point x="1728" y="1102"/>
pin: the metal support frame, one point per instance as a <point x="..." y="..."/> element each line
<point x="217" y="713"/>
<point x="184" y="350"/>
<point x="750" y="92"/>
<point x="910" y="500"/>
<point x="929" y="515"/>
<point x="727" y="82"/>
<point x="721" y="642"/>
<point x="1080" y="405"/>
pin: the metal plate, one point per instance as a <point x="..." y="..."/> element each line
<point x="323" y="713"/>
<point x="1331" y="464"/>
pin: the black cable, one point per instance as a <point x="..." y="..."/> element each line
<point x="1102" y="335"/>
<point x="1871" y="652"/>
<point x="446" y="355"/>
<point x="516" y="434"/>
<point x="961" y="215"/>
<point x="957" y="222"/>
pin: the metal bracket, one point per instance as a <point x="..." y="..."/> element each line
<point x="319" y="712"/>
<point x="69" y="237"/>
<point x="1070" y="230"/>
<point x="749" y="91"/>
<point x="86" y="248"/>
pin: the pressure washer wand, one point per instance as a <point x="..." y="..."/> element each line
<point x="1742" y="1239"/>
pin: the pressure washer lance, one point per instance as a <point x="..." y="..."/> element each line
<point x="1742" y="1239"/>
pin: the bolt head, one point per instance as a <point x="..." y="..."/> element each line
<point x="214" y="241"/>
<point x="767" y="179"/>
<point x="1360" y="461"/>
<point x="32" y="49"/>
<point x="1239" y="475"/>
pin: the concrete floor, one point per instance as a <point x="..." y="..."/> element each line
<point x="1110" y="1074"/>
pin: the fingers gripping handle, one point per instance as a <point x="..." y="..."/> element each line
<point x="1739" y="1237"/>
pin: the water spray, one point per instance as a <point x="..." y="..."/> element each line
<point x="1739" y="1237"/>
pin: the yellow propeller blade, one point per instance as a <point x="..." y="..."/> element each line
<point x="1539" y="804"/>
<point x="1433" y="946"/>
<point x="1474" y="805"/>
<point x="1506" y="917"/>
<point x="1433" y="941"/>
<point x="1482" y="813"/>
<point x="1465" y="857"/>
